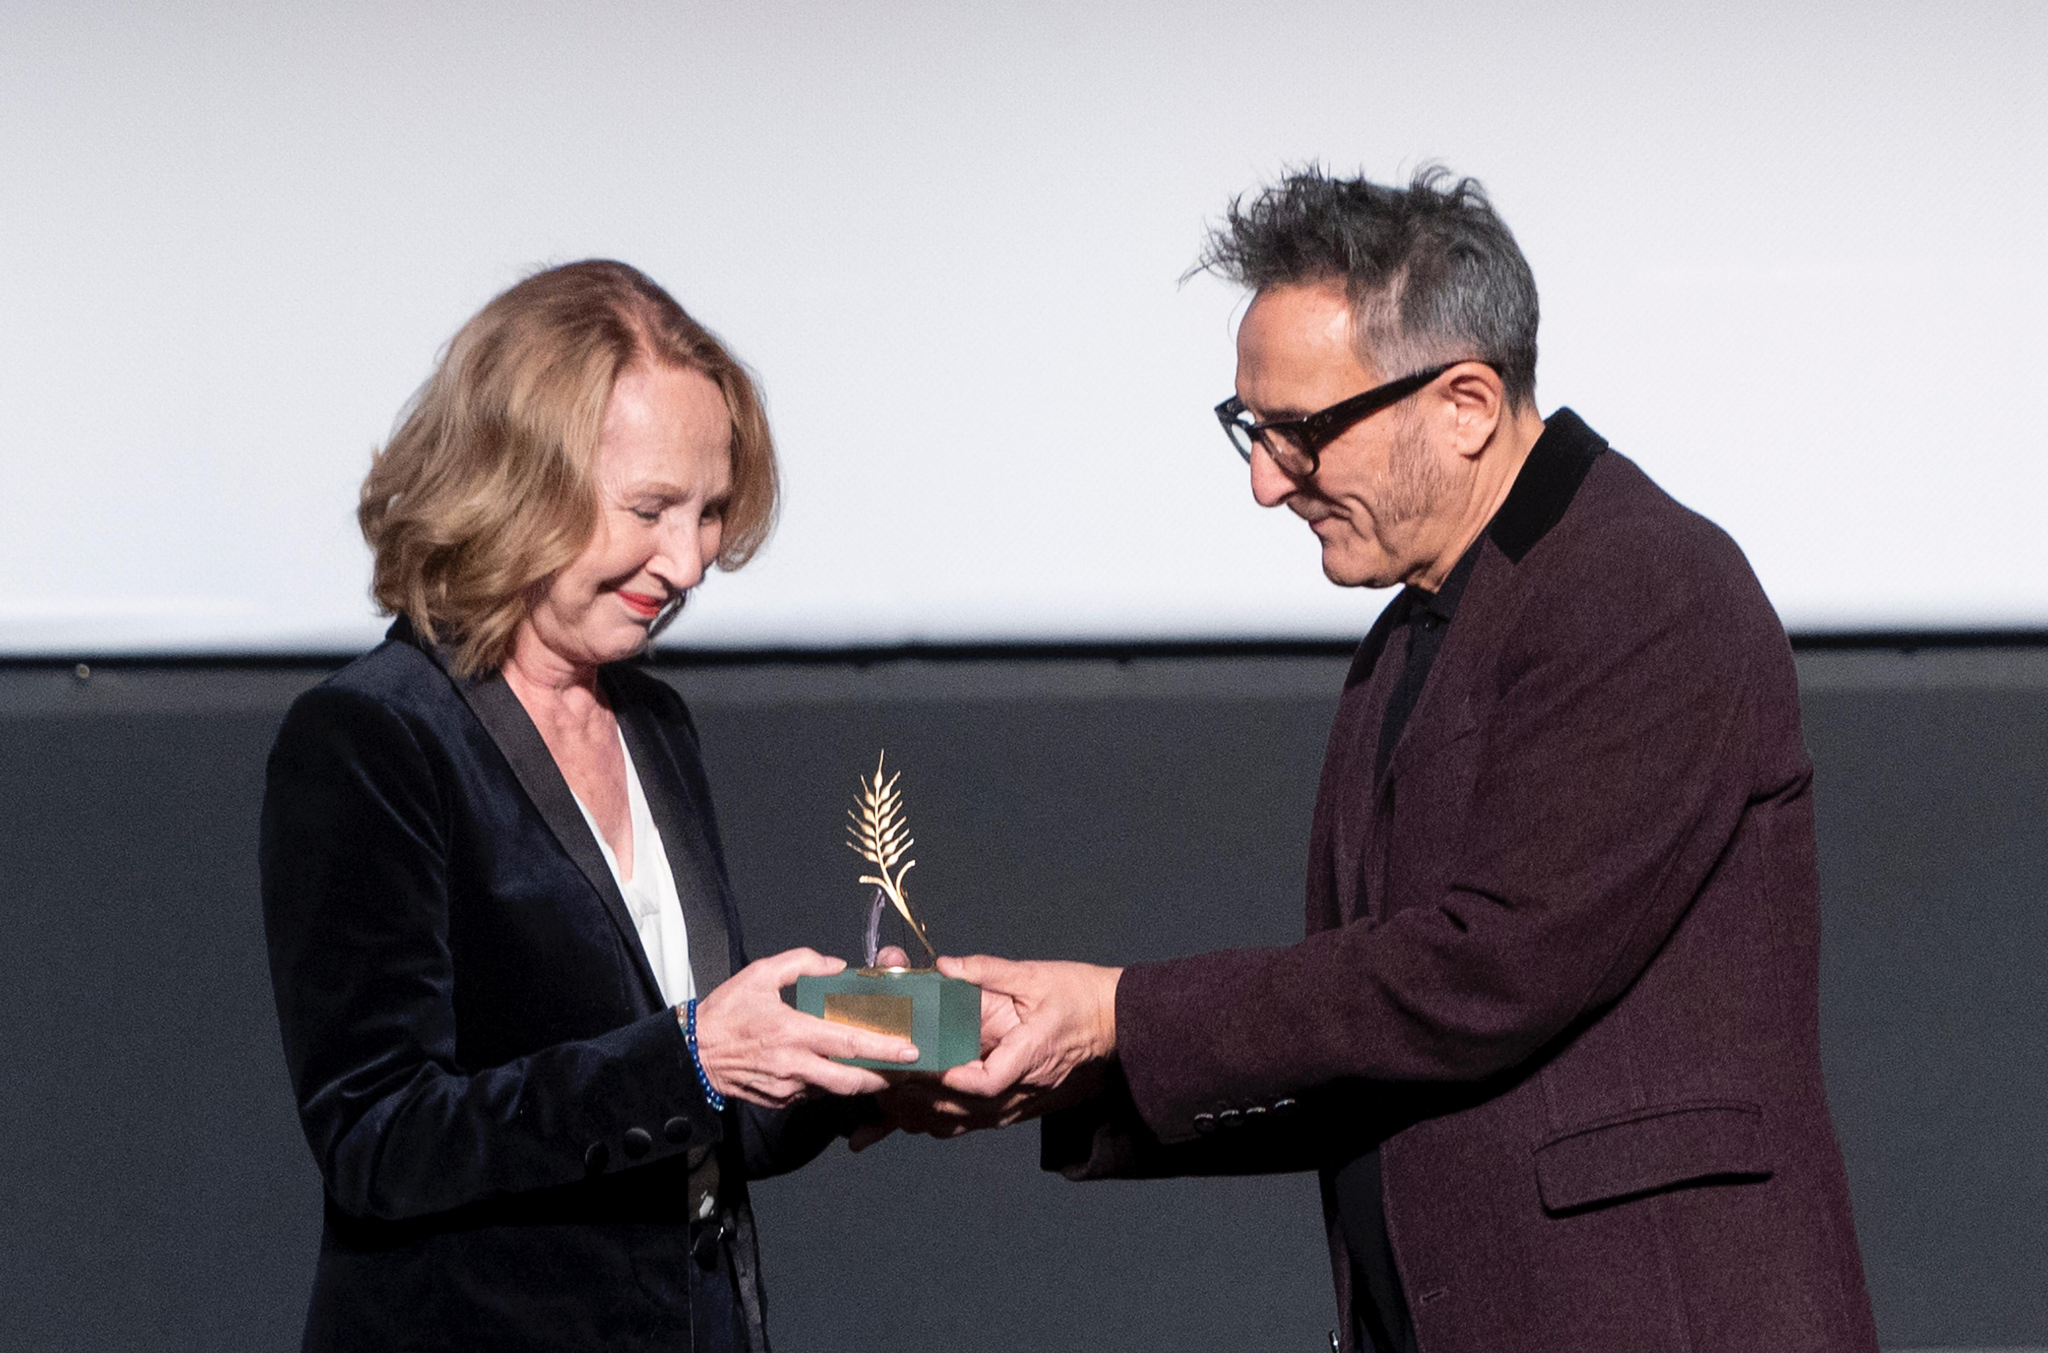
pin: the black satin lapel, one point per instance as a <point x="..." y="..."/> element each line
<point x="680" y="820"/>
<point x="506" y="720"/>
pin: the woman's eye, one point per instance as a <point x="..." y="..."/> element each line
<point x="647" y="515"/>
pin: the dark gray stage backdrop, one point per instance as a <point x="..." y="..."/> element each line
<point x="157" y="1196"/>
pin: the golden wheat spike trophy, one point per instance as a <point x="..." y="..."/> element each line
<point x="942" y="1015"/>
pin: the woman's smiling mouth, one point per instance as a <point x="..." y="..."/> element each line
<point x="640" y="604"/>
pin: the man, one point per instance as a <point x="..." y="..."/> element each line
<point x="1552" y="1038"/>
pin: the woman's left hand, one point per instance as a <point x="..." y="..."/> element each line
<point x="756" y="1048"/>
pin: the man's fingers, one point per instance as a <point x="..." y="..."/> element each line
<point x="892" y="956"/>
<point x="998" y="1017"/>
<point x="974" y="1078"/>
<point x="1001" y="1067"/>
<point x="930" y="1102"/>
<point x="867" y="1134"/>
<point x="1009" y="1062"/>
<point x="987" y="971"/>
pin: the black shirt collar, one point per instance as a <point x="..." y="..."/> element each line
<point x="1443" y="603"/>
<point x="1544" y="488"/>
<point x="1419" y="603"/>
<point x="1548" y="481"/>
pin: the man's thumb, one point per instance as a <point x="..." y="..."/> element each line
<point x="986" y="971"/>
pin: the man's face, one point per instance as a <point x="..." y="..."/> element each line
<point x="1373" y="500"/>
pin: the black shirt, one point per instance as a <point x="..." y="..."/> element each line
<point x="1377" y="1303"/>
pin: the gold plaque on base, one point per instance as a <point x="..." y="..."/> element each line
<point x="942" y="1015"/>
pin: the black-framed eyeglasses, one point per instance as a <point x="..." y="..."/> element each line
<point x="1296" y="444"/>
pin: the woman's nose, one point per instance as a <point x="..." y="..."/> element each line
<point x="678" y="561"/>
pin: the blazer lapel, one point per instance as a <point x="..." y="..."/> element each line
<point x="1442" y="716"/>
<point x="680" y="820"/>
<point x="1368" y="884"/>
<point x="1444" y="711"/>
<point x="506" y="720"/>
<point x="1340" y="835"/>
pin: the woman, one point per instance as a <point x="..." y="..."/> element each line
<point x="530" y="1056"/>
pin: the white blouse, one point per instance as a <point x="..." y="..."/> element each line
<point x="651" y="893"/>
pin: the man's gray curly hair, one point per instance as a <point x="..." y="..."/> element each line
<point x="1432" y="272"/>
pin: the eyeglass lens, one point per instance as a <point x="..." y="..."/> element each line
<point x="1238" y="426"/>
<point x="1280" y="444"/>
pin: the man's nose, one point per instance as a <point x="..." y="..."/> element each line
<point x="1271" y="486"/>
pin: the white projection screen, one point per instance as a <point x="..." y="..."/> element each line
<point x="1791" y="261"/>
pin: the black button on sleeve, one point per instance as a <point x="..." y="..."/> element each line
<point x="1283" y="1106"/>
<point x="1229" y="1118"/>
<point x="638" y="1142"/>
<point x="677" y="1130"/>
<point x="1205" y="1122"/>
<point x="596" y="1158"/>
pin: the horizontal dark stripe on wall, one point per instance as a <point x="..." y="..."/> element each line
<point x="1116" y="650"/>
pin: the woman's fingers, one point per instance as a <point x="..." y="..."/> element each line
<point x="806" y="1076"/>
<point x="794" y="1056"/>
<point x="753" y="1045"/>
<point x="892" y="956"/>
<point x="835" y="1079"/>
<point x="829" y="1039"/>
<point x="770" y="1092"/>
<point x="780" y="970"/>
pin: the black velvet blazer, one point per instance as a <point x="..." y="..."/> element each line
<point x="502" y="1106"/>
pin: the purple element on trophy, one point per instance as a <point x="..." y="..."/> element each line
<point x="874" y="935"/>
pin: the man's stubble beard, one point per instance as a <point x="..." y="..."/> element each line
<point x="1410" y="492"/>
<point x="1415" y="486"/>
<point x="1416" y="483"/>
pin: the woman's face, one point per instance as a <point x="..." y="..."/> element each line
<point x="664" y="472"/>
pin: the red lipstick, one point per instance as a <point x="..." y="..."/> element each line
<point x="640" y="604"/>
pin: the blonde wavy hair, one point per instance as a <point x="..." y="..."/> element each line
<point x="487" y="489"/>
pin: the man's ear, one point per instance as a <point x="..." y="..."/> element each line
<point x="1478" y="401"/>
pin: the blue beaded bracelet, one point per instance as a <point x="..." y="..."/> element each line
<point x="711" y="1096"/>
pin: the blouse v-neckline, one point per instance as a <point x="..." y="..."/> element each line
<point x="650" y="894"/>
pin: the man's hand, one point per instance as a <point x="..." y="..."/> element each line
<point x="1045" y="1030"/>
<point x="1065" y="1018"/>
<point x="926" y="1106"/>
<point x="920" y="1104"/>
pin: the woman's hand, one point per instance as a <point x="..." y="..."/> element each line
<point x="754" y="1047"/>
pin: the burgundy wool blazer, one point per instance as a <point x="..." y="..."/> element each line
<point x="1562" y="961"/>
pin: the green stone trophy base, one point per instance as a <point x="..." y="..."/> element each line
<point x="942" y="1015"/>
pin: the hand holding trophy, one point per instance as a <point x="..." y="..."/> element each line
<point x="941" y="1015"/>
